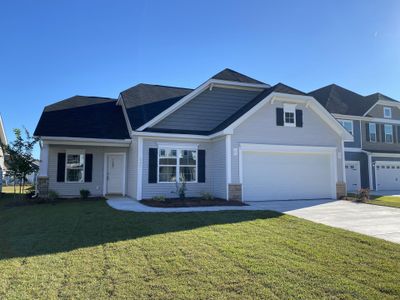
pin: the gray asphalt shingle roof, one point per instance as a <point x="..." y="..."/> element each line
<point x="339" y="100"/>
<point x="231" y="75"/>
<point x="84" y="117"/>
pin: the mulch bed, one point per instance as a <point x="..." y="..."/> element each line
<point x="190" y="202"/>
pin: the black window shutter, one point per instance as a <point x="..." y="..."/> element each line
<point x="153" y="156"/>
<point x="201" y="166"/>
<point x="394" y="129"/>
<point x="61" y="167"/>
<point x="299" y="118"/>
<point x="398" y="134"/>
<point x="88" y="167"/>
<point x="279" y="116"/>
<point x="383" y="133"/>
<point x="378" y="132"/>
<point x="367" y="131"/>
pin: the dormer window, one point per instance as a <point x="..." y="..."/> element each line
<point x="387" y="112"/>
<point x="289" y="115"/>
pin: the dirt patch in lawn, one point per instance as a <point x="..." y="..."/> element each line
<point x="190" y="202"/>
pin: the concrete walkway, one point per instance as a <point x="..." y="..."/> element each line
<point x="377" y="221"/>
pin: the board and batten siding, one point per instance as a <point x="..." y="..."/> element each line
<point x="215" y="171"/>
<point x="208" y="110"/>
<point x="95" y="187"/>
<point x="261" y="128"/>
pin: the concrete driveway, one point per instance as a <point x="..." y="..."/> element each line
<point x="373" y="220"/>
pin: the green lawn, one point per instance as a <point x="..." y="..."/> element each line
<point x="385" y="201"/>
<point x="88" y="250"/>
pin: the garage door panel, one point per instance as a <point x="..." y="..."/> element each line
<point x="277" y="176"/>
<point x="387" y="175"/>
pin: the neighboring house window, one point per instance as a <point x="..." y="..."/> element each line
<point x="388" y="133"/>
<point x="387" y="112"/>
<point x="348" y="125"/>
<point x="289" y="115"/>
<point x="177" y="165"/>
<point x="372" y="132"/>
<point x="75" y="166"/>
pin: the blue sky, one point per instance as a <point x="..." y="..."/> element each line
<point x="51" y="50"/>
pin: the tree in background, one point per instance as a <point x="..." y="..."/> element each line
<point x="19" y="158"/>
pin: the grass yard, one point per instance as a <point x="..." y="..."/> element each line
<point x="88" y="250"/>
<point x="385" y="201"/>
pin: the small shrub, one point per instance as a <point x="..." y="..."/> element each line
<point x="53" y="195"/>
<point x="363" y="195"/>
<point x="159" y="198"/>
<point x="84" y="194"/>
<point x="207" y="196"/>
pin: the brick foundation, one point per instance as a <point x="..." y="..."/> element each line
<point x="341" y="189"/>
<point x="43" y="186"/>
<point x="235" y="192"/>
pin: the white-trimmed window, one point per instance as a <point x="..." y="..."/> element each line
<point x="177" y="165"/>
<point x="387" y="112"/>
<point x="75" y="166"/>
<point x="348" y="125"/>
<point x="388" y="133"/>
<point x="372" y="132"/>
<point x="289" y="115"/>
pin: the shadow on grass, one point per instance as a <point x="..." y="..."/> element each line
<point x="51" y="228"/>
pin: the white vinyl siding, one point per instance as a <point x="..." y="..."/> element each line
<point x="95" y="187"/>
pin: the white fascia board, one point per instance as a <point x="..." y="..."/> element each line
<point x="374" y="154"/>
<point x="195" y="93"/>
<point x="367" y="119"/>
<point x="85" y="141"/>
<point x="122" y="104"/>
<point x="349" y="149"/>
<point x="180" y="135"/>
<point x="3" y="132"/>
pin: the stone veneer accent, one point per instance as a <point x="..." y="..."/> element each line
<point x="341" y="190"/>
<point x="43" y="186"/>
<point x="235" y="192"/>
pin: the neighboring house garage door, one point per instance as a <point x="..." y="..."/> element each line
<point x="387" y="174"/>
<point x="300" y="174"/>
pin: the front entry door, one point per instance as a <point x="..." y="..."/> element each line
<point x="353" y="176"/>
<point x="115" y="173"/>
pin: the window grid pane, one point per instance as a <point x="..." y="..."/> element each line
<point x="172" y="161"/>
<point x="289" y="117"/>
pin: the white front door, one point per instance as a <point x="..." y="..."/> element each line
<point x="353" y="178"/>
<point x="387" y="175"/>
<point x="285" y="176"/>
<point x="115" y="173"/>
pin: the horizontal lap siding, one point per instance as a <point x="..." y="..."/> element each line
<point x="132" y="169"/>
<point x="207" y="110"/>
<point x="150" y="190"/>
<point x="218" y="168"/>
<point x="261" y="128"/>
<point x="72" y="189"/>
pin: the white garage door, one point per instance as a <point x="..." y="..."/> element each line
<point x="387" y="174"/>
<point x="353" y="178"/>
<point x="285" y="176"/>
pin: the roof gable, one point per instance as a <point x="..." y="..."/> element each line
<point x="231" y="75"/>
<point x="84" y="117"/>
<point x="339" y="100"/>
